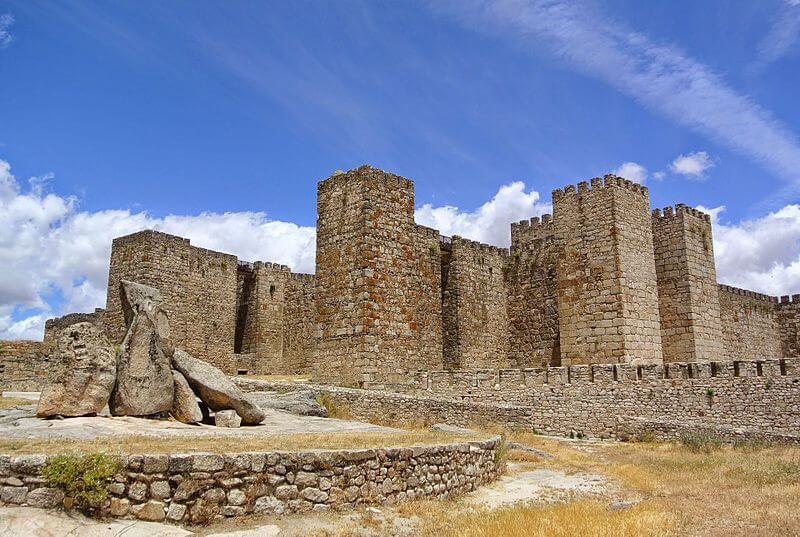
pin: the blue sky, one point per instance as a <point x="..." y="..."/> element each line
<point x="168" y="111"/>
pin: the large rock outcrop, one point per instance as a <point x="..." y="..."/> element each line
<point x="300" y="403"/>
<point x="185" y="407"/>
<point x="145" y="385"/>
<point x="87" y="370"/>
<point x="215" y="388"/>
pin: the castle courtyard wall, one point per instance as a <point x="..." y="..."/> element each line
<point x="730" y="399"/>
<point x="477" y="308"/>
<point x="198" y="287"/>
<point x="530" y="275"/>
<point x="750" y="324"/>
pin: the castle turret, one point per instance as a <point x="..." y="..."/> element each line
<point x="688" y="297"/>
<point x="378" y="280"/>
<point x="606" y="276"/>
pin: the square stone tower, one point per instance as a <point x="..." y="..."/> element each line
<point x="378" y="281"/>
<point x="688" y="295"/>
<point x="606" y="274"/>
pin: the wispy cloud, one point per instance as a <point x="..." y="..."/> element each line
<point x="782" y="37"/>
<point x="6" y="20"/>
<point x="661" y="77"/>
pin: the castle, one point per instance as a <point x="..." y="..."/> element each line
<point x="602" y="281"/>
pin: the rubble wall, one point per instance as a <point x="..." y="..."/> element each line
<point x="298" y="325"/>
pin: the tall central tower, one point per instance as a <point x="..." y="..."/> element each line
<point x="606" y="275"/>
<point x="378" y="281"/>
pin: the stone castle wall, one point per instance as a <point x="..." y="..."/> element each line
<point x="198" y="286"/>
<point x="606" y="277"/>
<point x="750" y="324"/>
<point x="475" y="299"/>
<point x="25" y="366"/>
<point x="730" y="399"/>
<point x="789" y="317"/>
<point x="601" y="281"/>
<point x="688" y="295"/>
<point x="298" y="325"/>
<point x="530" y="275"/>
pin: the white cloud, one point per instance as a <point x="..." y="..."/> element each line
<point x="661" y="77"/>
<point x="489" y="223"/>
<point x="692" y="165"/>
<point x="49" y="246"/>
<point x="632" y="171"/>
<point x="658" y="176"/>
<point x="762" y="254"/>
<point x="6" y="20"/>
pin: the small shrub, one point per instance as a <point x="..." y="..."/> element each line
<point x="711" y="392"/>
<point x="335" y="409"/>
<point x="701" y="442"/>
<point x="83" y="476"/>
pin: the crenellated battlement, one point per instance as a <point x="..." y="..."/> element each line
<point x="362" y="172"/>
<point x="450" y="381"/>
<point x="479" y="247"/>
<point x="597" y="183"/>
<point x="679" y="211"/>
<point x="301" y="277"/>
<point x="790" y="299"/>
<point x="266" y="265"/>
<point x="749" y="294"/>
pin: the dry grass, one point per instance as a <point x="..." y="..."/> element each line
<point x="218" y="444"/>
<point x="9" y="402"/>
<point x="717" y="490"/>
<point x="582" y="517"/>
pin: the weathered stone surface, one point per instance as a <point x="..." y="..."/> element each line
<point x="152" y="511"/>
<point x="88" y="369"/>
<point x="300" y="403"/>
<point x="13" y="494"/>
<point x="45" y="497"/>
<point x="185" y="407"/>
<point x="145" y="385"/>
<point x="215" y="388"/>
<point x="119" y="507"/>
<point x="227" y="418"/>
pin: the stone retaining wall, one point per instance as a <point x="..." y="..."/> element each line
<point x="198" y="487"/>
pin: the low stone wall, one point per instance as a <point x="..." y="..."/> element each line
<point x="748" y="398"/>
<point x="198" y="487"/>
<point x="24" y="366"/>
